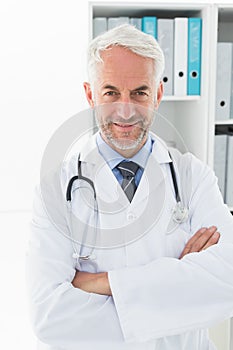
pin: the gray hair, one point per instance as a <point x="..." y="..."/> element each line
<point x="128" y="37"/>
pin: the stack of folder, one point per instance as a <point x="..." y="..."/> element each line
<point x="223" y="166"/>
<point x="223" y="156"/>
<point x="224" y="81"/>
<point x="181" y="41"/>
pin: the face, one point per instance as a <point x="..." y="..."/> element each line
<point x="125" y="97"/>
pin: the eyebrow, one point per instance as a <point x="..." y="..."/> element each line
<point x="143" y="87"/>
<point x="111" y="87"/>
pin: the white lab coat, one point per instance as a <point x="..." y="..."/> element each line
<point x="159" y="301"/>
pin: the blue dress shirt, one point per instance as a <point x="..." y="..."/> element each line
<point x="113" y="158"/>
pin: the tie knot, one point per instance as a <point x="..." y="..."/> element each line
<point x="128" y="169"/>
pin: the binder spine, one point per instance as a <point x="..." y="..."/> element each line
<point x="220" y="156"/>
<point x="117" y="21"/>
<point x="194" y="55"/>
<point x="137" y="22"/>
<point x="180" y="56"/>
<point x="149" y="25"/>
<point x="99" y="26"/>
<point x="223" y="82"/>
<point x="166" y="42"/>
<point x="229" y="172"/>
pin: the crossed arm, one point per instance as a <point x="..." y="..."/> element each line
<point x="98" y="282"/>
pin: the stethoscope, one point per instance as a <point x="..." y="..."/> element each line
<point x="179" y="212"/>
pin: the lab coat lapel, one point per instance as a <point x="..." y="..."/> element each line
<point x="107" y="187"/>
<point x="153" y="178"/>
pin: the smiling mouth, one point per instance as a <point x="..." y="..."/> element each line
<point x="125" y="126"/>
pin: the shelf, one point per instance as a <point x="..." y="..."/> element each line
<point x="224" y="122"/>
<point x="109" y="9"/>
<point x="225" y="23"/>
<point x="181" y="98"/>
<point x="224" y="129"/>
<point x="225" y="13"/>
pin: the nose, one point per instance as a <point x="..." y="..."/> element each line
<point x="124" y="96"/>
<point x="125" y="110"/>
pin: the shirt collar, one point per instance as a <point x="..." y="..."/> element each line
<point x="113" y="158"/>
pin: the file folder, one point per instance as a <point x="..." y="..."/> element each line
<point x="99" y="26"/>
<point x="180" y="55"/>
<point x="117" y="21"/>
<point x="149" y="25"/>
<point x="137" y="22"/>
<point x="166" y="42"/>
<point x="223" y="82"/>
<point x="231" y="103"/>
<point x="229" y="172"/>
<point x="220" y="151"/>
<point x="194" y="55"/>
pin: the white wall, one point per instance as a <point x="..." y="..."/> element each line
<point x="42" y="67"/>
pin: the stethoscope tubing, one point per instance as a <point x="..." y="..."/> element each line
<point x="79" y="176"/>
<point x="91" y="183"/>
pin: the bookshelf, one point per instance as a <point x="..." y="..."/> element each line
<point x="188" y="114"/>
<point x="222" y="29"/>
<point x="223" y="25"/>
<point x="193" y="117"/>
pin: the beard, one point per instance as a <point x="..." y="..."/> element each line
<point x="124" y="126"/>
<point x="125" y="140"/>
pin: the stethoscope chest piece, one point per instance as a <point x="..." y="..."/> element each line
<point x="180" y="213"/>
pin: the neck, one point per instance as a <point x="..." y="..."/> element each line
<point x="126" y="153"/>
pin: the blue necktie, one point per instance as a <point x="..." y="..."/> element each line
<point x="128" y="171"/>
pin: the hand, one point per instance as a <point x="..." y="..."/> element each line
<point x="201" y="240"/>
<point x="92" y="282"/>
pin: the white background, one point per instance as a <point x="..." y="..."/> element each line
<point x="42" y="67"/>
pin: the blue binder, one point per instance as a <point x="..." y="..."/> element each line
<point x="149" y="25"/>
<point x="194" y="56"/>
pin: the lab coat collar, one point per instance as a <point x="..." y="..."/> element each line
<point x="104" y="179"/>
<point x="90" y="154"/>
<point x="160" y="150"/>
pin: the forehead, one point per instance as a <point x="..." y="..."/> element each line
<point x="122" y="64"/>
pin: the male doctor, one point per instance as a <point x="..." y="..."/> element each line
<point x="164" y="289"/>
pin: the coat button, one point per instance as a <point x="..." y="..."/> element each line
<point x="131" y="216"/>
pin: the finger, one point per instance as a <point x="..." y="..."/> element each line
<point x="202" y="240"/>
<point x="188" y="247"/>
<point x="213" y="240"/>
<point x="197" y="236"/>
<point x="198" y="240"/>
<point x="184" y="252"/>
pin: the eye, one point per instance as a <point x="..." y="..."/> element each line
<point x="110" y="93"/>
<point x="110" y="96"/>
<point x="140" y="95"/>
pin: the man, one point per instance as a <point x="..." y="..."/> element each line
<point x="160" y="288"/>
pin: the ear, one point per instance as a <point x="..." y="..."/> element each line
<point x="89" y="94"/>
<point x="159" y="95"/>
